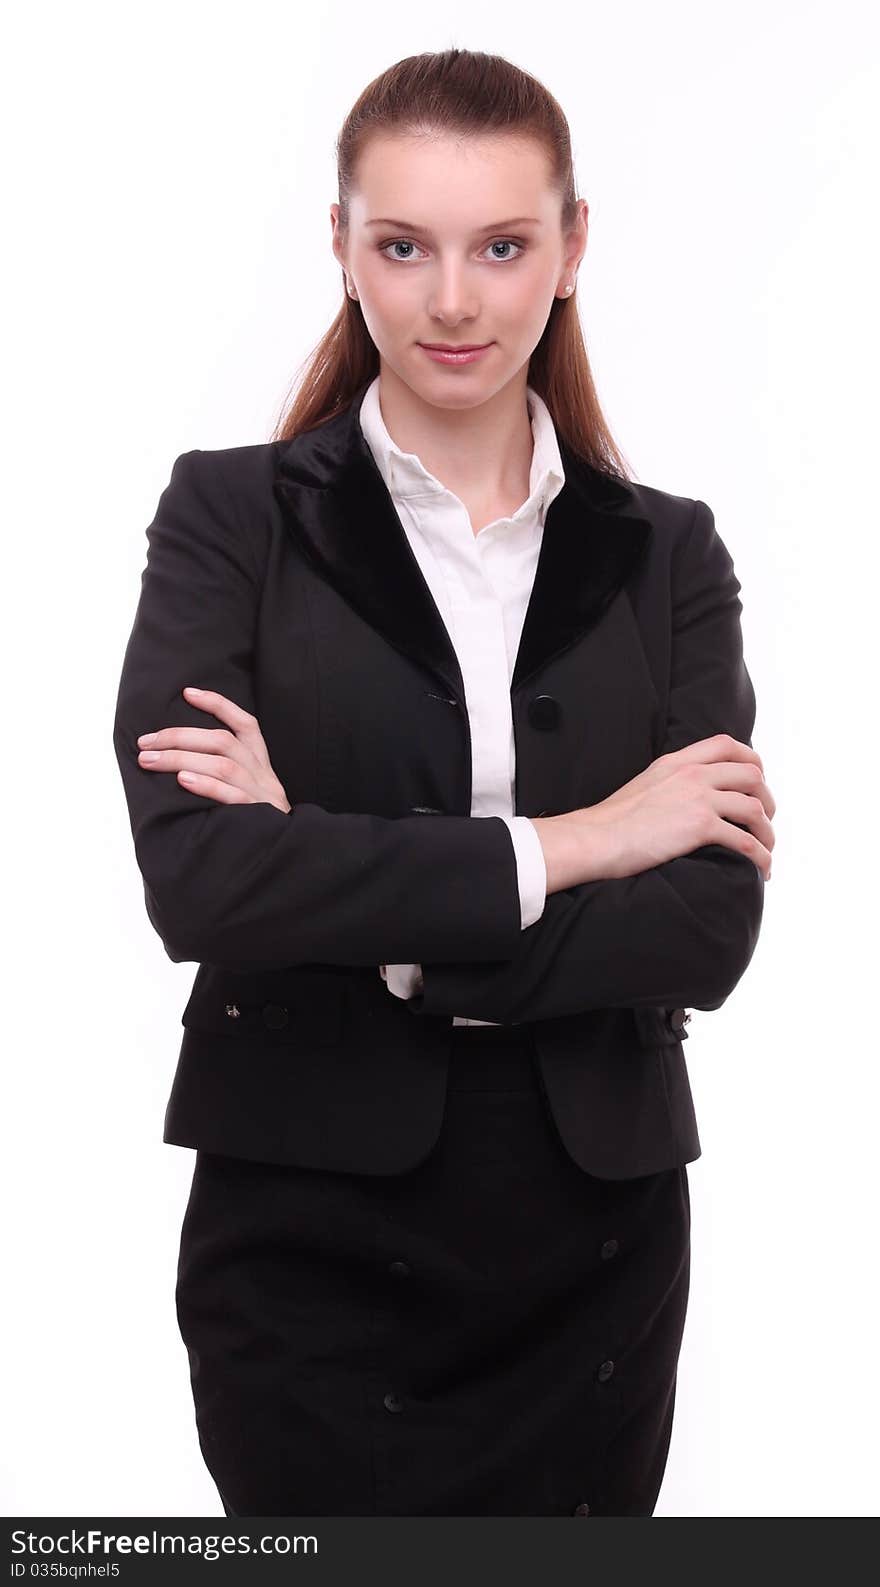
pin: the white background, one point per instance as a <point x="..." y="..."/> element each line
<point x="168" y="269"/>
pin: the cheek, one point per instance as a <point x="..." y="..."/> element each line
<point x="528" y="299"/>
<point x="522" y="328"/>
<point x="389" y="305"/>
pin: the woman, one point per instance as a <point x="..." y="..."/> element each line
<point x="435" y="1259"/>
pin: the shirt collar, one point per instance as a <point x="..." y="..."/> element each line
<point x="405" y="475"/>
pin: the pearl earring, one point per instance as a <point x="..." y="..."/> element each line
<point x="568" y="289"/>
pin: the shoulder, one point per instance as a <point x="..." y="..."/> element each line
<point x="235" y="482"/>
<point x="686" y="553"/>
<point x="239" y="468"/>
<point x="220" y="500"/>
<point x="671" y="514"/>
<point x="684" y="526"/>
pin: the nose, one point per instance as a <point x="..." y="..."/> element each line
<point x="452" y="299"/>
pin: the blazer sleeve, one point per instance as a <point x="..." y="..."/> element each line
<point x="246" y="887"/>
<point x="676" y="935"/>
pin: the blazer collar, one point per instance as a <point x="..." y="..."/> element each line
<point x="336" y="505"/>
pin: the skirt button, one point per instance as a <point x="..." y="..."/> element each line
<point x="610" y="1248"/>
<point x="605" y="1371"/>
<point x="393" y="1402"/>
<point x="582" y="1509"/>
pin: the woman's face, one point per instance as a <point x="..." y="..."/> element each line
<point x="458" y="242"/>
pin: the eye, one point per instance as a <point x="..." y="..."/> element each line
<point x="508" y="242"/>
<point x="407" y="242"/>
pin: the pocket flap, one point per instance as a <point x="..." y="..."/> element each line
<point x="279" y="1008"/>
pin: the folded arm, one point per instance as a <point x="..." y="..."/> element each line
<point x="680" y="934"/>
<point x="246" y="886"/>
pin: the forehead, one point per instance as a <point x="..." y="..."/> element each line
<point x="454" y="182"/>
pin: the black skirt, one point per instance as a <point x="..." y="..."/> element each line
<point x="493" y="1333"/>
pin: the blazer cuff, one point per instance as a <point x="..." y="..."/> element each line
<point x="531" y="868"/>
<point x="406" y="980"/>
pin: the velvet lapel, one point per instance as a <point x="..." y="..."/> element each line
<point x="335" y="503"/>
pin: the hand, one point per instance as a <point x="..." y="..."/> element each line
<point x="692" y="797"/>
<point x="228" y="764"/>
<point x="698" y="795"/>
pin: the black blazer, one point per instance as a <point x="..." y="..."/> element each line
<point x="279" y="574"/>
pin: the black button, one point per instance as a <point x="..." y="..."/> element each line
<point x="610" y="1248"/>
<point x="678" y="1018"/>
<point x="274" y="1016"/>
<point x="605" y="1371"/>
<point x="544" y="712"/>
<point x="400" y="1269"/>
<point x="582" y="1509"/>
<point x="393" y="1402"/>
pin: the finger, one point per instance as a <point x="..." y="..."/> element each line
<point x="731" y="836"/>
<point x="213" y="788"/>
<point x="745" y="776"/>
<point x="746" y="810"/>
<point x="223" y="768"/>
<point x="721" y="746"/>
<point x="739" y="775"/>
<point x="219" y="705"/>
<point x="210" y="740"/>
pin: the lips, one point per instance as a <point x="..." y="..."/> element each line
<point x="447" y="347"/>
<point x="456" y="357"/>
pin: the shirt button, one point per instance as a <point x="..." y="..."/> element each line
<point x="400" y="1269"/>
<point x="393" y="1402"/>
<point x="582" y="1509"/>
<point x="610" y="1248"/>
<point x="605" y="1371"/>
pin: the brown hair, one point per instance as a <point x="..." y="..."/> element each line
<point x="459" y="92"/>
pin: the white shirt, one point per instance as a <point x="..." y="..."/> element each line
<point x="481" y="585"/>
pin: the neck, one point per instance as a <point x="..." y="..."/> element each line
<point x="482" y="453"/>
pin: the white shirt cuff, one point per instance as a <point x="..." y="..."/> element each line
<point x="404" y="980"/>
<point x="531" y="868"/>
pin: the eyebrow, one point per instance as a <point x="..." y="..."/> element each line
<point x="496" y="225"/>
